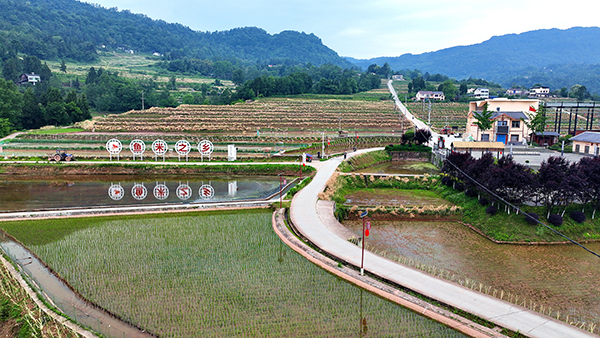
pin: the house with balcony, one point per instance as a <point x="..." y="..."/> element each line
<point x="424" y="95"/>
<point x="481" y="93"/>
<point x="507" y="118"/>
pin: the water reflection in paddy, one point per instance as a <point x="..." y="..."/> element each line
<point x="564" y="277"/>
<point x="59" y="192"/>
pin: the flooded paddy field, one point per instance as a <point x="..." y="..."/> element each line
<point x="212" y="274"/>
<point x="75" y="192"/>
<point x="561" y="277"/>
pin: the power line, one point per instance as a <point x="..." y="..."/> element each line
<point x="519" y="209"/>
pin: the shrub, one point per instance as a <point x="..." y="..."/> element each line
<point x="578" y="216"/>
<point x="491" y="210"/>
<point x="447" y="180"/>
<point x="555" y="219"/>
<point x="459" y="186"/>
<point x="484" y="201"/>
<point x="532" y="218"/>
<point x="471" y="192"/>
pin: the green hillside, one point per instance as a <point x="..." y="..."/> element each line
<point x="57" y="29"/>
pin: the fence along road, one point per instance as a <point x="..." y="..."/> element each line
<point x="304" y="215"/>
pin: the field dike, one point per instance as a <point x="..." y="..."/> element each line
<point x="415" y="304"/>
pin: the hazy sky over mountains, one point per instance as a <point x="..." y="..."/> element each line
<point x="366" y="29"/>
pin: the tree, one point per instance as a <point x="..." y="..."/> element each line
<point x="237" y="77"/>
<point x="422" y="136"/>
<point x="484" y="121"/>
<point x="536" y="119"/>
<point x="462" y="89"/>
<point x="449" y="89"/>
<point x="5" y="127"/>
<point x="63" y="66"/>
<point x="32" y="113"/>
<point x="551" y="181"/>
<point x="10" y="103"/>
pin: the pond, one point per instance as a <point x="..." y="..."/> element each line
<point x="69" y="192"/>
<point x="563" y="277"/>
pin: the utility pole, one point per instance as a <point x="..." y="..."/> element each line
<point x="323" y="144"/>
<point x="429" y="116"/>
<point x="142" y="100"/>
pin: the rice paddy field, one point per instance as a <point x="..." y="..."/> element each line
<point x="211" y="275"/>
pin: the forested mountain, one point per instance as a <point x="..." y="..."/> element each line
<point x="551" y="55"/>
<point x="56" y="29"/>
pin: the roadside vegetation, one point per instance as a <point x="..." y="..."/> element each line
<point x="21" y="317"/>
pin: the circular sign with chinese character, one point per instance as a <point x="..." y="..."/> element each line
<point x="183" y="147"/>
<point x="205" y="147"/>
<point x="137" y="147"/>
<point x="184" y="192"/>
<point x="116" y="192"/>
<point x="114" y="146"/>
<point x="139" y="192"/>
<point x="159" y="147"/>
<point x="161" y="192"/>
<point x="207" y="191"/>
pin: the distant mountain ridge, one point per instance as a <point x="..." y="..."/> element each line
<point x="53" y="29"/>
<point x="502" y="58"/>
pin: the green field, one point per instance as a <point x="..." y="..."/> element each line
<point x="211" y="275"/>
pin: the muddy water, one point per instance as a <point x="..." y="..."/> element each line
<point x="67" y="193"/>
<point x="563" y="277"/>
<point x="63" y="298"/>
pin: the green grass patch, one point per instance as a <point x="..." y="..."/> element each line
<point x="364" y="160"/>
<point x="56" y="131"/>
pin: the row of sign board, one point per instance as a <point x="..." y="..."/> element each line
<point x="160" y="191"/>
<point x="159" y="147"/>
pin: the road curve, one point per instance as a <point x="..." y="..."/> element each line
<point x="304" y="215"/>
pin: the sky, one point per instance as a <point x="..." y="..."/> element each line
<point x="372" y="28"/>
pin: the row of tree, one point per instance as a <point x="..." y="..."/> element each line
<point x="29" y="111"/>
<point x="557" y="184"/>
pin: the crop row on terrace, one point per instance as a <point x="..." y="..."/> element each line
<point x="214" y="275"/>
<point x="285" y="114"/>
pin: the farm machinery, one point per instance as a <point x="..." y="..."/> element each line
<point x="61" y="155"/>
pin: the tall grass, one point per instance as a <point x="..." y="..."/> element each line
<point x="218" y="275"/>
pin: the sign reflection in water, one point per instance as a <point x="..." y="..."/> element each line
<point x="161" y="191"/>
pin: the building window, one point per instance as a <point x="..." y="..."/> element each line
<point x="503" y="123"/>
<point x="485" y="137"/>
<point x="516" y="124"/>
<point x="577" y="148"/>
<point x="587" y="150"/>
<point x="514" y="138"/>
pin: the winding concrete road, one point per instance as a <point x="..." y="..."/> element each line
<point x="304" y="215"/>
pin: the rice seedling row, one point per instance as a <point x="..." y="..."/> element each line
<point x="219" y="275"/>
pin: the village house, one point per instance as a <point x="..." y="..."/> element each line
<point x="28" y="78"/>
<point x="507" y="116"/>
<point x="588" y="143"/>
<point x="398" y="77"/>
<point x="516" y="92"/>
<point x="539" y="91"/>
<point x="481" y="93"/>
<point x="424" y="95"/>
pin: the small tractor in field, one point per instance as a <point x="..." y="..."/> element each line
<point x="61" y="155"/>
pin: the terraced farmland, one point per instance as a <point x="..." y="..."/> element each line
<point x="299" y="116"/>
